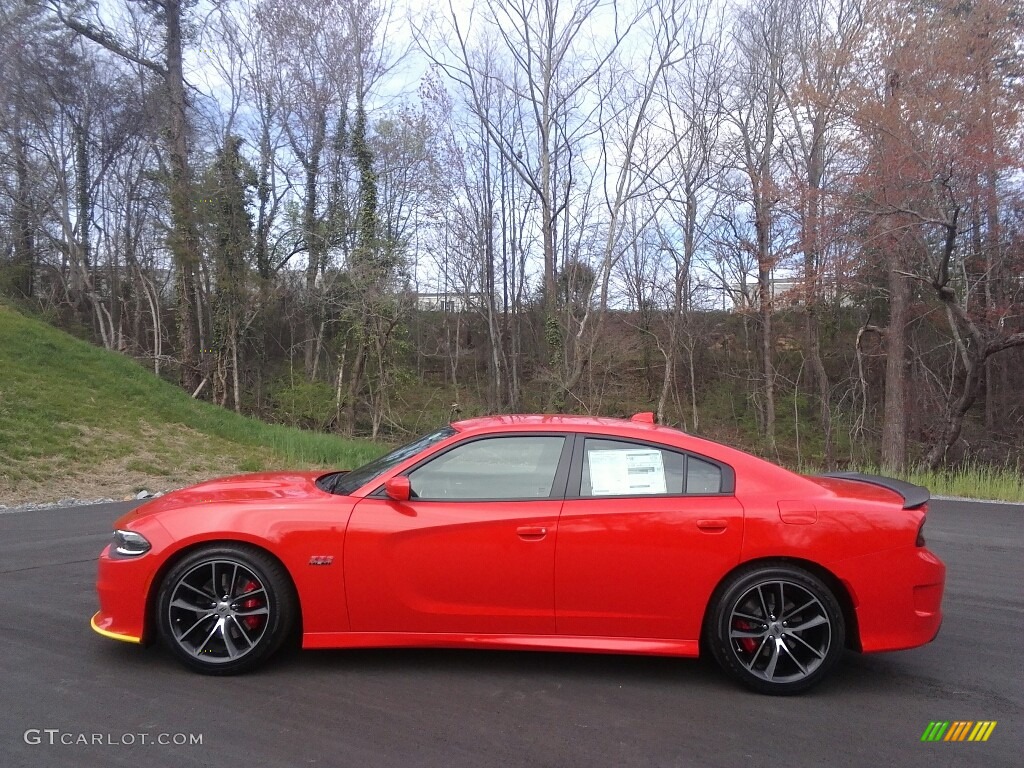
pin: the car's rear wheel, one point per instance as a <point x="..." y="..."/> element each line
<point x="225" y="609"/>
<point x="777" y="629"/>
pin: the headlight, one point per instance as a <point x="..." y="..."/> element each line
<point x="130" y="543"/>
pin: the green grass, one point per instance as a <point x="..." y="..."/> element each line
<point x="972" y="482"/>
<point x="72" y="414"/>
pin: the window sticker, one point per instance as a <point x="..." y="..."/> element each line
<point x="626" y="472"/>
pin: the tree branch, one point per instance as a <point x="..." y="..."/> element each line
<point x="1006" y="342"/>
<point x="107" y="39"/>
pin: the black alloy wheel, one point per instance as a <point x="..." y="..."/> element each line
<point x="777" y="629"/>
<point x="225" y="609"/>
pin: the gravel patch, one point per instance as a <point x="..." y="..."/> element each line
<point x="72" y="502"/>
<point x="983" y="501"/>
<point x="4" y="509"/>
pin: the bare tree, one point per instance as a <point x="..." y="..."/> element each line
<point x="696" y="115"/>
<point x="32" y="53"/>
<point x="827" y="34"/>
<point x="551" y="75"/>
<point x="760" y="46"/>
<point x="308" y="45"/>
<point x="183" y="239"/>
<point x="631" y="177"/>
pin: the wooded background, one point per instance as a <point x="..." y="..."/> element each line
<point x="797" y="225"/>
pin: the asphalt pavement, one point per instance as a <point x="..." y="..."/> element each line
<point x="70" y="697"/>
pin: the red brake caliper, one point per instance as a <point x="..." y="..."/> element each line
<point x="252" y="622"/>
<point x="748" y="643"/>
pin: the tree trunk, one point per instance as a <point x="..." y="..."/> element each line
<point x="995" y="377"/>
<point x="495" y="393"/>
<point x="23" y="269"/>
<point x="695" y="416"/>
<point x="355" y="385"/>
<point x="955" y="415"/>
<point x="261" y="245"/>
<point x="184" y="240"/>
<point x="894" y="245"/>
<point x="314" y="247"/>
<point x="762" y="226"/>
<point x="823" y="384"/>
<point x="236" y="384"/>
<point x="812" y="279"/>
<point x="894" y="420"/>
<point x="767" y="364"/>
<point x="80" y="261"/>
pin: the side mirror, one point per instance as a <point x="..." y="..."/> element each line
<point x="398" y="488"/>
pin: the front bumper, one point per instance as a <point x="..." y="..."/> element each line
<point x="122" y="585"/>
<point x="98" y="621"/>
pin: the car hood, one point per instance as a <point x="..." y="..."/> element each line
<point x="261" y="487"/>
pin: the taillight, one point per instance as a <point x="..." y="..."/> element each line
<point x="920" y="534"/>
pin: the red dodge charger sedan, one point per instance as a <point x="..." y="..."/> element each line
<point x="534" y="532"/>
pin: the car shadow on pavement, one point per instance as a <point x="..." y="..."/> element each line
<point x="855" y="671"/>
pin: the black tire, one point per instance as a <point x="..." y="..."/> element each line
<point x="225" y="609"/>
<point x="775" y="651"/>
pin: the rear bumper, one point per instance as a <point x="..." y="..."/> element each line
<point x="897" y="596"/>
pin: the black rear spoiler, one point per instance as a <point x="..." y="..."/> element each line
<point x="913" y="495"/>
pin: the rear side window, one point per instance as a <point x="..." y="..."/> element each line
<point x="619" y="468"/>
<point x="702" y="476"/>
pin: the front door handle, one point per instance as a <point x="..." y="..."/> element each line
<point x="532" y="532"/>
<point x="715" y="525"/>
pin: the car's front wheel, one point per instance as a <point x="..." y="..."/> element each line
<point x="777" y="629"/>
<point x="225" y="609"/>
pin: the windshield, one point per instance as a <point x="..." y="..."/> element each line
<point x="345" y="482"/>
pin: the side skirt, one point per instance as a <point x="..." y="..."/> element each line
<point x="641" y="646"/>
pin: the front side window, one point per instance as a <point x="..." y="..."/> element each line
<point x="495" y="468"/>
<point x="619" y="468"/>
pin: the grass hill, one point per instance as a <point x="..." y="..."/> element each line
<point x="82" y="422"/>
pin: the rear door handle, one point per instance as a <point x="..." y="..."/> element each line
<point x="532" y="532"/>
<point x="714" y="525"/>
